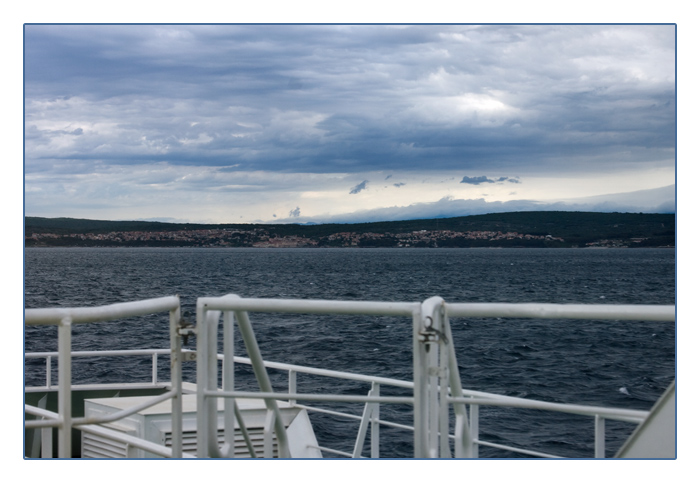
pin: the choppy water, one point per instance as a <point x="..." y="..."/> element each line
<point x="560" y="361"/>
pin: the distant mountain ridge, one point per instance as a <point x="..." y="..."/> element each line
<point x="574" y="228"/>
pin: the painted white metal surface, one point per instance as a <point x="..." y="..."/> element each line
<point x="656" y="436"/>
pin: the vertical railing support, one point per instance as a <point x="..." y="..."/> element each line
<point x="203" y="362"/>
<point x="48" y="372"/>
<point x="154" y="369"/>
<point x="270" y="421"/>
<point x="228" y="385"/>
<point x="207" y="370"/>
<point x="64" y="390"/>
<point x="472" y="448"/>
<point x="420" y="388"/>
<point x="367" y="417"/>
<point x="292" y="385"/>
<point x="46" y="442"/>
<point x="175" y="381"/>
<point x="374" y="430"/>
<point x="599" y="436"/>
<point x="428" y="378"/>
<point x="436" y="372"/>
<point x="210" y="405"/>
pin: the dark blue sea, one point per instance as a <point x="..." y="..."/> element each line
<point x="619" y="364"/>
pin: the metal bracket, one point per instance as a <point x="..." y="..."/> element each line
<point x="188" y="356"/>
<point x="186" y="332"/>
<point x="433" y="335"/>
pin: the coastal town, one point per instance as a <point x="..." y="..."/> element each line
<point x="501" y="230"/>
<point x="261" y="238"/>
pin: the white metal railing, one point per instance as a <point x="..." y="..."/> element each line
<point x="50" y="356"/>
<point x="369" y="420"/>
<point x="209" y="312"/>
<point x="435" y="387"/>
<point x="64" y="318"/>
<point x="436" y="377"/>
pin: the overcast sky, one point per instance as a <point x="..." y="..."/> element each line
<point x="317" y="123"/>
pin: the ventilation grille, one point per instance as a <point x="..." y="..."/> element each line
<point x="257" y="437"/>
<point x="100" y="447"/>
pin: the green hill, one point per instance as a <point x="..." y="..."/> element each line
<point x="576" y="228"/>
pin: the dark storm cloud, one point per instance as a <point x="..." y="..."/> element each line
<point x="327" y="98"/>
<point x="359" y="187"/>
<point x="477" y="180"/>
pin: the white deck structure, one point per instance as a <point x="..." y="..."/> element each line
<point x="211" y="419"/>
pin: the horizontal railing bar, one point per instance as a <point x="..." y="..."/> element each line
<point x="108" y="353"/>
<point x="340" y="307"/>
<point x="328" y="373"/>
<point x="396" y="425"/>
<point x="353" y="416"/>
<point x="517" y="450"/>
<point x="329" y="450"/>
<point x="51" y="419"/>
<point x="666" y="313"/>
<point x="80" y="315"/>
<point x="107" y="387"/>
<point x="329" y="411"/>
<point x="628" y="415"/>
<point x="532" y="310"/>
<point x="488" y="398"/>
<point x="311" y="397"/>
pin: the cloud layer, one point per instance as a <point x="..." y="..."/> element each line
<point x="237" y="108"/>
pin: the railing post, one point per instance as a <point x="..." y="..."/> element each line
<point x="48" y="372"/>
<point x="175" y="381"/>
<point x="292" y="385"/>
<point x="228" y="385"/>
<point x="202" y="382"/>
<point x="154" y="369"/>
<point x="443" y="372"/>
<point x="599" y="436"/>
<point x="472" y="445"/>
<point x="268" y="433"/>
<point x="46" y="442"/>
<point x="429" y="378"/>
<point x="64" y="388"/>
<point x="420" y="387"/>
<point x="374" y="431"/>
<point x="436" y="370"/>
<point x="211" y="323"/>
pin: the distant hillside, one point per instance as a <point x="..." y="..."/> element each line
<point x="575" y="228"/>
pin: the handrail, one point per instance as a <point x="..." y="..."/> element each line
<point x="64" y="318"/>
<point x="103" y="313"/>
<point x="660" y="313"/>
